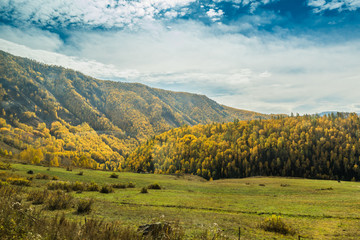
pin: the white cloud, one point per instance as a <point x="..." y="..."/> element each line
<point x="263" y="72"/>
<point x="86" y="66"/>
<point x="110" y="13"/>
<point x="340" y="5"/>
<point x="215" y="15"/>
<point x="253" y="4"/>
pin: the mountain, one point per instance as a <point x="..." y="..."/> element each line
<point x="43" y="104"/>
<point x="325" y="147"/>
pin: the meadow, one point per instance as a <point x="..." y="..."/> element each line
<point x="314" y="209"/>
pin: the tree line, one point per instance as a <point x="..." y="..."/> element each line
<point x="325" y="147"/>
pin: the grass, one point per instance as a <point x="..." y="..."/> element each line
<point x="315" y="209"/>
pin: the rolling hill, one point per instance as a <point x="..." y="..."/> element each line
<point x="304" y="146"/>
<point x="68" y="114"/>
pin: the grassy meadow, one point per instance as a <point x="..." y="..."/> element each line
<point x="314" y="209"/>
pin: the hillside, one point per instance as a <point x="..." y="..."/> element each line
<point x="68" y="114"/>
<point x="305" y="146"/>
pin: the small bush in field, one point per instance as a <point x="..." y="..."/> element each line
<point x="78" y="186"/>
<point x="38" y="197"/>
<point x="3" y="184"/>
<point x="92" y="187"/>
<point x="18" y="181"/>
<point x="80" y="173"/>
<point x="106" y="189"/>
<point x="84" y="206"/>
<point x="114" y="175"/>
<point x="59" y="200"/>
<point x="131" y="185"/>
<point x="276" y="224"/>
<point x="144" y="190"/>
<point x="42" y="176"/>
<point x="119" y="185"/>
<point x="55" y="178"/>
<point x="67" y="186"/>
<point x="59" y="185"/>
<point x="30" y="172"/>
<point x="5" y="166"/>
<point x="154" y="186"/>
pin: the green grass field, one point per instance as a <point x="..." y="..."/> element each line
<point x="315" y="209"/>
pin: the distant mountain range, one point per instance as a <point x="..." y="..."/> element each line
<point x="33" y="93"/>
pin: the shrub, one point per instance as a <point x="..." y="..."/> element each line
<point x="144" y="190"/>
<point x="69" y="169"/>
<point x="3" y="184"/>
<point x="92" y="187"/>
<point x="58" y="200"/>
<point x="119" y="185"/>
<point x="78" y="186"/>
<point x="5" y="166"/>
<point x="154" y="186"/>
<point x="42" y="176"/>
<point x="114" y="175"/>
<point x="55" y="178"/>
<point x="59" y="185"/>
<point x="38" y="197"/>
<point x="80" y="173"/>
<point x="106" y="189"/>
<point x="30" y="172"/>
<point x="18" y="181"/>
<point x="67" y="186"/>
<point x="276" y="224"/>
<point x="131" y="185"/>
<point x="84" y="206"/>
<point x="20" y="221"/>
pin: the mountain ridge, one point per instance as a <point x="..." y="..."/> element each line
<point x="67" y="102"/>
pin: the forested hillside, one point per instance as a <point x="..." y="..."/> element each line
<point x="67" y="116"/>
<point x="325" y="147"/>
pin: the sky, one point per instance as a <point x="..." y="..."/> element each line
<point x="269" y="56"/>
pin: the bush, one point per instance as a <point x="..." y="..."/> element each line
<point x="5" y="166"/>
<point x="144" y="190"/>
<point x="84" y="206"/>
<point x="106" y="189"/>
<point x="119" y="185"/>
<point x="20" y="221"/>
<point x="18" y="181"/>
<point x="93" y="187"/>
<point x="59" y="185"/>
<point x="38" y="197"/>
<point x="58" y="200"/>
<point x="3" y="184"/>
<point x="42" y="176"/>
<point x="114" y="175"/>
<point x="78" y="186"/>
<point x="154" y="186"/>
<point x="80" y="173"/>
<point x="131" y="185"/>
<point x="55" y="178"/>
<point x="276" y="224"/>
<point x="30" y="172"/>
<point x="67" y="186"/>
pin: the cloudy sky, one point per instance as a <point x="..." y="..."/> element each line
<point x="270" y="56"/>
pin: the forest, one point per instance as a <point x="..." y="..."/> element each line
<point x="55" y="115"/>
<point x="325" y="147"/>
<point x="59" y="117"/>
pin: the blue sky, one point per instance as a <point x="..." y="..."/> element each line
<point x="271" y="56"/>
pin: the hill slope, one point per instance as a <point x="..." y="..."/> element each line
<point x="325" y="147"/>
<point x="48" y="101"/>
